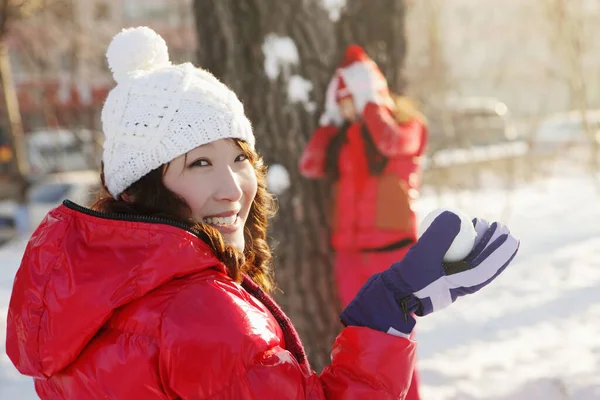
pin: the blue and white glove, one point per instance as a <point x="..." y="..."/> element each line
<point x="422" y="283"/>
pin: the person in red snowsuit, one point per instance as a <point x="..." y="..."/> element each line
<point x="370" y="144"/>
<point x="160" y="289"/>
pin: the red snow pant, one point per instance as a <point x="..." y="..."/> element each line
<point x="353" y="269"/>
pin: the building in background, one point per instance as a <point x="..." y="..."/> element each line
<point x="59" y="66"/>
<point x="58" y="55"/>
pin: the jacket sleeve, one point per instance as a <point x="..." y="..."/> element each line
<point x="391" y="138"/>
<point x="312" y="161"/>
<point x="366" y="363"/>
<point x="231" y="360"/>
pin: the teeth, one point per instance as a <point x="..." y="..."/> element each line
<point x="223" y="221"/>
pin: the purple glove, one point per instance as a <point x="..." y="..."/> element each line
<point x="422" y="283"/>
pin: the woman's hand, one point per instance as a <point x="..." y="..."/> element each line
<point x="422" y="283"/>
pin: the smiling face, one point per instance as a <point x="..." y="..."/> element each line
<point x="218" y="183"/>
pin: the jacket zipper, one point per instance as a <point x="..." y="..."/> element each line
<point x="132" y="218"/>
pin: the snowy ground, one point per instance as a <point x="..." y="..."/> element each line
<point x="534" y="334"/>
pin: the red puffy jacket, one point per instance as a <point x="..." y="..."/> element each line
<point x="118" y="309"/>
<point x="371" y="211"/>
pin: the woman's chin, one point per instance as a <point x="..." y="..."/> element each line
<point x="235" y="240"/>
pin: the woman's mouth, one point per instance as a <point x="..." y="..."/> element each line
<point x="221" y="222"/>
<point x="225" y="222"/>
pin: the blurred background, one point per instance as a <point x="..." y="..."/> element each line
<point x="510" y="93"/>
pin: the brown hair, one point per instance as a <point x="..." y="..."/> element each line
<point x="149" y="196"/>
<point x="406" y="109"/>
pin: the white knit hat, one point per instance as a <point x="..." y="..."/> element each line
<point x="159" y="111"/>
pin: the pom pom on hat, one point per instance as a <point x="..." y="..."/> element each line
<point x="136" y="49"/>
<point x="354" y="53"/>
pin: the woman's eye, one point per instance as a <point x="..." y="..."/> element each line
<point x="200" y="163"/>
<point x="241" y="157"/>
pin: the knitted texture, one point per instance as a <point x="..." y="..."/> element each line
<point x="159" y="111"/>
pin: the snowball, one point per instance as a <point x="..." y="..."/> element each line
<point x="278" y="179"/>
<point x="280" y="54"/>
<point x="463" y="242"/>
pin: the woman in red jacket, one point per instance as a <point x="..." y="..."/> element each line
<point x="160" y="290"/>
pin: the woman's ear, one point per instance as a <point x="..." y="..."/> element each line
<point x="126" y="197"/>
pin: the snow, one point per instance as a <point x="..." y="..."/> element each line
<point x="449" y="157"/>
<point x="278" y="179"/>
<point x="532" y="334"/>
<point x="299" y="92"/>
<point x="280" y="53"/>
<point x="463" y="243"/>
<point x="334" y="8"/>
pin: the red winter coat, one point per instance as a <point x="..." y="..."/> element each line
<point x="371" y="211"/>
<point x="116" y="309"/>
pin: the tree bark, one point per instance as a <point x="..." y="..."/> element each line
<point x="231" y="35"/>
<point x="379" y="27"/>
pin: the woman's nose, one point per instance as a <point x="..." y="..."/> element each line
<point x="228" y="186"/>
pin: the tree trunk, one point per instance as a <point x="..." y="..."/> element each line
<point x="231" y="37"/>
